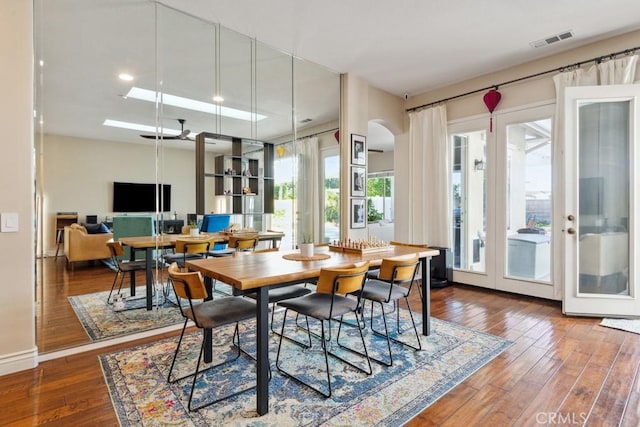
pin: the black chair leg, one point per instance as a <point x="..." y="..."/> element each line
<point x="364" y="345"/>
<point x="175" y="354"/>
<point x="297" y="379"/>
<point x="198" y="371"/>
<point x="380" y="334"/>
<point x="113" y="285"/>
<point x="415" y="329"/>
<point x="325" y="344"/>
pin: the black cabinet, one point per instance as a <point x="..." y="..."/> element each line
<point x="441" y="268"/>
<point x="170" y="226"/>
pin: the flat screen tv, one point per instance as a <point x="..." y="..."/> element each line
<point x="135" y="197"/>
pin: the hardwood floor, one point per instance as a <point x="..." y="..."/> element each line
<point x="57" y="326"/>
<point x="559" y="371"/>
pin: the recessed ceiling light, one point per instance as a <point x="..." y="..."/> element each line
<point x="192" y="104"/>
<point x="125" y="77"/>
<point x="218" y="98"/>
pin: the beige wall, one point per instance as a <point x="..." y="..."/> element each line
<point x="17" y="322"/>
<point x="79" y="174"/>
<point x="517" y="95"/>
<point x="525" y="92"/>
<point x="353" y="119"/>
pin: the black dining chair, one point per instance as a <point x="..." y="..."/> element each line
<point x="331" y="300"/>
<point x="212" y="314"/>
<point x="393" y="283"/>
<point x="122" y="267"/>
<point x="189" y="249"/>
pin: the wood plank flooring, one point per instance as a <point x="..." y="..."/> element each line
<point x="559" y="371"/>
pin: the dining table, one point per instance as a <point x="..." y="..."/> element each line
<point x="167" y="241"/>
<point x="249" y="272"/>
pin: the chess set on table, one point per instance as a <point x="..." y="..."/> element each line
<point x="235" y="229"/>
<point x="360" y="246"/>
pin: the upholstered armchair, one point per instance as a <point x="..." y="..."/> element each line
<point x="79" y="245"/>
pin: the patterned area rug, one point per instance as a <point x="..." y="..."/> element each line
<point x="629" y="325"/>
<point x="101" y="321"/>
<point x="141" y="396"/>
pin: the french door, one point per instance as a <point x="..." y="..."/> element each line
<point x="601" y="201"/>
<point x="503" y="232"/>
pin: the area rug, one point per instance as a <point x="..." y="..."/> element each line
<point x="629" y="325"/>
<point x="391" y="396"/>
<point x="101" y="321"/>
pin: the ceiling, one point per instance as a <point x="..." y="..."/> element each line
<point x="405" y="47"/>
<point x="414" y="46"/>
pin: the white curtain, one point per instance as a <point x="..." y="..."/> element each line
<point x="307" y="189"/>
<point x="429" y="200"/>
<point x="617" y="71"/>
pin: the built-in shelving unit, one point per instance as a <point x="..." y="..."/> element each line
<point x="244" y="178"/>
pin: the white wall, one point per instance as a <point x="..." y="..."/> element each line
<point x="380" y="162"/>
<point x="79" y="174"/>
<point x="17" y="322"/>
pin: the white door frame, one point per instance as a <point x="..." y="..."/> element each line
<point x="591" y="304"/>
<point x="494" y="275"/>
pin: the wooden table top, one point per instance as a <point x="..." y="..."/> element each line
<point x="169" y="240"/>
<point x="247" y="270"/>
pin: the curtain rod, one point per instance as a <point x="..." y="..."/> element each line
<point x="597" y="60"/>
<point x="310" y="136"/>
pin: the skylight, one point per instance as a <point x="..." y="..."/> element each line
<point x="140" y="127"/>
<point x="192" y="104"/>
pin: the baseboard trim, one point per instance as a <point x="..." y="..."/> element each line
<point x="20" y="361"/>
<point x="109" y="342"/>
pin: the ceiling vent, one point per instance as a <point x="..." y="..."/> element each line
<point x="305" y="120"/>
<point x="552" y="39"/>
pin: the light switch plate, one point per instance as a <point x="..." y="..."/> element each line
<point x="9" y="222"/>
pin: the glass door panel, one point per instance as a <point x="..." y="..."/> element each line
<point x="603" y="197"/>
<point x="331" y="172"/>
<point x="469" y="200"/>
<point x="528" y="200"/>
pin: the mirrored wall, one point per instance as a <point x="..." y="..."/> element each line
<point x="118" y="83"/>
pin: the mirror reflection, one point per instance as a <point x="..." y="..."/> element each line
<point x="122" y="93"/>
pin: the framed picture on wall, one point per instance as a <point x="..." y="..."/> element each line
<point x="358" y="149"/>
<point x="358" y="213"/>
<point x="358" y="181"/>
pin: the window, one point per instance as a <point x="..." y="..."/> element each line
<point x="380" y="197"/>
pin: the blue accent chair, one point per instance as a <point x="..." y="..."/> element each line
<point x="212" y="223"/>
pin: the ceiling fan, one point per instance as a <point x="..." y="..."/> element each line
<point x="184" y="133"/>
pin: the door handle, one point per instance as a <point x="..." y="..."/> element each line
<point x="571" y="230"/>
<point x="571" y="217"/>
